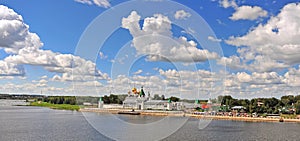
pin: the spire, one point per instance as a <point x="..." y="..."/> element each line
<point x="142" y="92"/>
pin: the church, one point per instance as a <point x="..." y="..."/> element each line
<point x="138" y="100"/>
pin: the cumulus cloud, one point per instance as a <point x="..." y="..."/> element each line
<point x="260" y="78"/>
<point x="274" y="45"/>
<point x="232" y="62"/>
<point x="256" y="84"/>
<point x="10" y="69"/>
<point x="240" y="84"/>
<point x="14" y="33"/>
<point x="184" y="83"/>
<point x="244" y="12"/>
<point x="25" y="48"/>
<point x="228" y="3"/>
<point x="155" y="40"/>
<point x="41" y="83"/>
<point x="248" y="13"/>
<point x="258" y="64"/>
<point x="292" y="77"/>
<point x="181" y="14"/>
<point x="100" y="3"/>
<point x="55" y="62"/>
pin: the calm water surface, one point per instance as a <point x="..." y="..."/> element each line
<point x="34" y="123"/>
<point x="42" y="124"/>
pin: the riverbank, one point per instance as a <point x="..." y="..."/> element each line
<point x="246" y="119"/>
<point x="56" y="106"/>
<point x="182" y="114"/>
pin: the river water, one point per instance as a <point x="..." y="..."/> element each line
<point x="20" y="123"/>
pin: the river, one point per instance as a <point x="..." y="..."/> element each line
<point x="21" y="123"/>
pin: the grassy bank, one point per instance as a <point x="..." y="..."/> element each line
<point x="56" y="106"/>
<point x="286" y="116"/>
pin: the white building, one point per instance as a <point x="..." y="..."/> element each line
<point x="139" y="101"/>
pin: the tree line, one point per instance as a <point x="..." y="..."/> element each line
<point x="284" y="105"/>
<point x="60" y="100"/>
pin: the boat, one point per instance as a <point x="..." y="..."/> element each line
<point x="281" y="120"/>
<point x="132" y="112"/>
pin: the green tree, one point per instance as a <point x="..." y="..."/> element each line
<point x="297" y="107"/>
<point x="287" y="100"/>
<point x="174" y="99"/>
<point x="226" y="100"/>
<point x="106" y="99"/>
<point x="163" y="97"/>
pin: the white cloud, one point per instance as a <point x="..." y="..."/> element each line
<point x="86" y="84"/>
<point x="274" y="45"/>
<point x="44" y="77"/>
<point x="184" y="84"/>
<point x="260" y="78"/>
<point x="55" y="62"/>
<point x="211" y="38"/>
<point x="248" y="13"/>
<point x="89" y="2"/>
<point x="102" y="56"/>
<point x="232" y="62"/>
<point x="256" y="84"/>
<point x="177" y="83"/>
<point x="231" y="83"/>
<point x="228" y="3"/>
<point x="155" y="40"/>
<point x="181" y="14"/>
<point x="292" y="77"/>
<point x="258" y="64"/>
<point x="6" y="77"/>
<point x="26" y="49"/>
<point x="243" y="77"/>
<point x="138" y="72"/>
<point x="15" y="33"/>
<point x="265" y="64"/>
<point x="191" y="82"/>
<point x="100" y="3"/>
<point x="11" y="69"/>
<point x="244" y="12"/>
<point x="41" y="83"/>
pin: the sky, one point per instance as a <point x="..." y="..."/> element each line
<point x="196" y="49"/>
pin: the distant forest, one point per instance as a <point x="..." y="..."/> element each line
<point x="288" y="104"/>
<point x="20" y="96"/>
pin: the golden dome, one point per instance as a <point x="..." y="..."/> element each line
<point x="133" y="89"/>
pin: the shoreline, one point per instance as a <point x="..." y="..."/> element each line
<point x="55" y="106"/>
<point x="182" y="114"/>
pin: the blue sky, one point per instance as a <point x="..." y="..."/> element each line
<point x="239" y="47"/>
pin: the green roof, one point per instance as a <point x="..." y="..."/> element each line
<point x="142" y="92"/>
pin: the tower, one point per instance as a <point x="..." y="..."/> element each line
<point x="197" y="103"/>
<point x="142" y="93"/>
<point x="100" y="103"/>
<point x="169" y="105"/>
